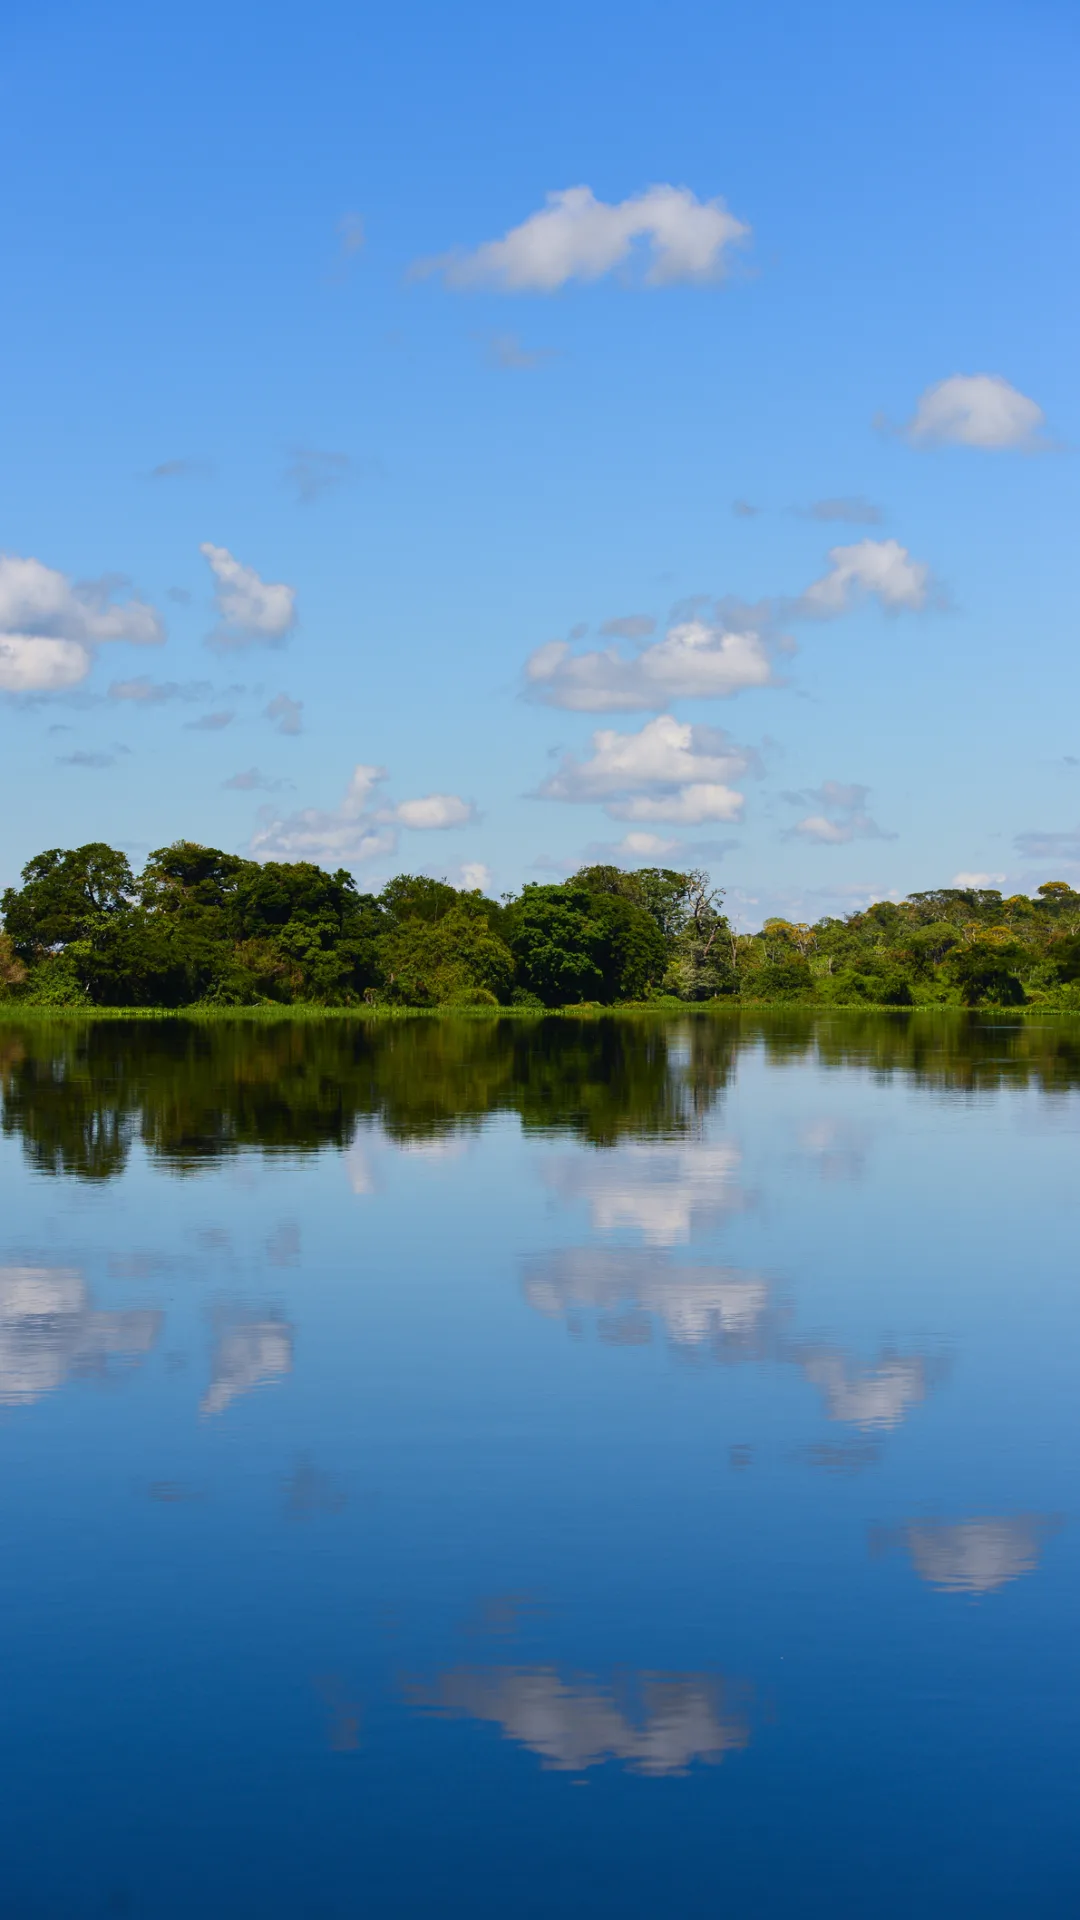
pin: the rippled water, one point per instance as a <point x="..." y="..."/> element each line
<point x="613" y="1467"/>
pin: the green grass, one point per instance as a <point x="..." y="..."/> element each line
<point x="21" y="1011"/>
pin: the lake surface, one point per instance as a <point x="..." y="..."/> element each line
<point x="601" y="1468"/>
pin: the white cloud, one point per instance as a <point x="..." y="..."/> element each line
<point x="285" y="714"/>
<point x="50" y="626"/>
<point x="976" y="880"/>
<point x="695" y="660"/>
<point x="690" y="807"/>
<point x="976" y="410"/>
<point x="843" y="816"/>
<point x="358" y="830"/>
<point x="668" y="771"/>
<point x="250" y="609"/>
<point x="578" y="237"/>
<point x="434" y="811"/>
<point x="475" y="875"/>
<point x="30" y="663"/>
<point x="645" y="846"/>
<point x="882" y="570"/>
<point x="349" y="835"/>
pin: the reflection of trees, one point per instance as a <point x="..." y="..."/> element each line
<point x="51" y="1332"/>
<point x="250" y="1350"/>
<point x="973" y="1556"/>
<point x="726" y="1315"/>
<point x="78" y="1093"/>
<point x="659" y="1724"/>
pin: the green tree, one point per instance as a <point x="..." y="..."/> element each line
<point x="65" y="896"/>
<point x="456" y="958"/>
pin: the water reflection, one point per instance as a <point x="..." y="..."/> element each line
<point x="658" y="1724"/>
<point x="835" y="1147"/>
<point x="80" y="1094"/>
<point x="668" y="1195"/>
<point x="717" y="1307"/>
<point x="880" y="1395"/>
<point x="977" y="1555"/>
<point x="726" y="1315"/>
<point x="50" y="1332"/>
<point x="251" y="1349"/>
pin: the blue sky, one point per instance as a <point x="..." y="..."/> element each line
<point x="813" y="414"/>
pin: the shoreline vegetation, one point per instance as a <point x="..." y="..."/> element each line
<point x="203" y="934"/>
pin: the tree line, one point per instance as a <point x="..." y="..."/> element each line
<point x="199" y="927"/>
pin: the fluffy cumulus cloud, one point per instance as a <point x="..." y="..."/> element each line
<point x="841" y="817"/>
<point x="976" y="410"/>
<point x="346" y="836"/>
<point x="644" y="846"/>
<point x="977" y="879"/>
<point x="357" y="831"/>
<point x="250" y="610"/>
<point x="668" y="772"/>
<point x="880" y="570"/>
<point x="575" y="236"/>
<point x="434" y="811"/>
<point x="475" y="876"/>
<point x="50" y="626"/>
<point x="698" y="659"/>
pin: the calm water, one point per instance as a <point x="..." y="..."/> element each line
<point x="614" y="1469"/>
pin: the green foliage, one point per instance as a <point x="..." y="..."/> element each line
<point x="557" y="944"/>
<point x="64" y="897"/>
<point x="445" y="961"/>
<point x="203" y="927"/>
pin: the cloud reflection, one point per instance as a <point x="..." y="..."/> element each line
<point x="664" y="1723"/>
<point x="666" y="1194"/>
<point x="50" y="1332"/>
<point x="872" y="1397"/>
<point x="251" y="1349"/>
<point x="695" y="1305"/>
<point x="726" y="1314"/>
<point x="977" y="1555"/>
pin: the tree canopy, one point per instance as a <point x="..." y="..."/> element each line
<point x="201" y="927"/>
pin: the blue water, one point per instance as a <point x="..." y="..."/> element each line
<point x="606" y="1470"/>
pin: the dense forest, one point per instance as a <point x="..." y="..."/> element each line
<point x="199" y="927"/>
